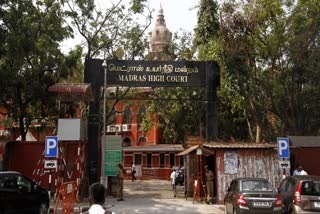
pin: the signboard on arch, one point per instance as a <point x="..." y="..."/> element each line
<point x="157" y="73"/>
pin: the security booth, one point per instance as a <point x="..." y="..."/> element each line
<point x="243" y="159"/>
<point x="196" y="157"/>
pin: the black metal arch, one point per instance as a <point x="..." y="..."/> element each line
<point x="148" y="74"/>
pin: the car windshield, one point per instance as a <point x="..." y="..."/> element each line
<point x="310" y="188"/>
<point x="256" y="186"/>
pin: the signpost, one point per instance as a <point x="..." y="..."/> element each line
<point x="283" y="147"/>
<point x="51" y="151"/>
<point x="284" y="153"/>
<point x="112" y="157"/>
<point x="51" y="146"/>
<point x="284" y="164"/>
<point x="50" y="164"/>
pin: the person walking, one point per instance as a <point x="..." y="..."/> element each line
<point x="133" y="172"/>
<point x="120" y="182"/>
<point x="299" y="171"/>
<point x="97" y="199"/>
<point x="173" y="178"/>
<point x="209" y="184"/>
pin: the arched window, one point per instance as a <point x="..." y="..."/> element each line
<point x="126" y="115"/>
<point x="141" y="114"/>
<point x="126" y="142"/>
<point x="142" y="139"/>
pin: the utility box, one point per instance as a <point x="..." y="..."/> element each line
<point x="72" y="129"/>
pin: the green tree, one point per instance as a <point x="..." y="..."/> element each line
<point x="272" y="63"/>
<point x="179" y="111"/>
<point x="207" y="29"/>
<point x="111" y="32"/>
<point x="31" y="59"/>
<point x="105" y="30"/>
<point x="298" y="81"/>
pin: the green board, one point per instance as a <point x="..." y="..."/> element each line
<point x="112" y="159"/>
<point x="113" y="142"/>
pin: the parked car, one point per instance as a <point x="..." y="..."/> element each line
<point x="252" y="195"/>
<point x="19" y="194"/>
<point x="300" y="194"/>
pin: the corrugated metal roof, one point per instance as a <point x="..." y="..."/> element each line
<point x="155" y="148"/>
<point x="240" y="145"/>
<point x="304" y="141"/>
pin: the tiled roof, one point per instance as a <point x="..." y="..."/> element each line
<point x="155" y="148"/>
<point x="223" y="145"/>
<point x="75" y="90"/>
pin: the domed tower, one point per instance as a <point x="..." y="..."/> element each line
<point x="160" y="39"/>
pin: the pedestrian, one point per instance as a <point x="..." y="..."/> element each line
<point x="209" y="184"/>
<point x="173" y="178"/>
<point x="299" y="171"/>
<point x="120" y="182"/>
<point x="133" y="172"/>
<point x="97" y="199"/>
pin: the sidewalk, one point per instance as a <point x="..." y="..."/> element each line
<point x="154" y="196"/>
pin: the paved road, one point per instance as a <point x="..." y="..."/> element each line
<point x="155" y="197"/>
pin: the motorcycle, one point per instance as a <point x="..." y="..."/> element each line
<point x="180" y="176"/>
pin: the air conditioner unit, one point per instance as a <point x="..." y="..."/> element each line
<point x="126" y="127"/>
<point x="111" y="128"/>
<point x="118" y="128"/>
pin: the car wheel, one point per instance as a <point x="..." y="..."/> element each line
<point x="43" y="209"/>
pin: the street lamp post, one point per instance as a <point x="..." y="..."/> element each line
<point x="104" y="123"/>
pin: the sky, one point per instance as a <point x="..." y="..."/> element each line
<point x="179" y="14"/>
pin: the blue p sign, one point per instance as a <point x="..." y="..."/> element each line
<point x="283" y="147"/>
<point x="51" y="146"/>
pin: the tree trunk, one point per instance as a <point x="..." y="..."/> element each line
<point x="249" y="125"/>
<point x="258" y="133"/>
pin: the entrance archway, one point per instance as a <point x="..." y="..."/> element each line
<point x="148" y="74"/>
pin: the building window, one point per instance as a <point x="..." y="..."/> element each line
<point x="162" y="160"/>
<point x="137" y="159"/>
<point x="126" y="142"/>
<point x="126" y="115"/>
<point x="149" y="160"/>
<point x="171" y="159"/>
<point x="142" y="113"/>
<point x="181" y="159"/>
<point x="142" y="139"/>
